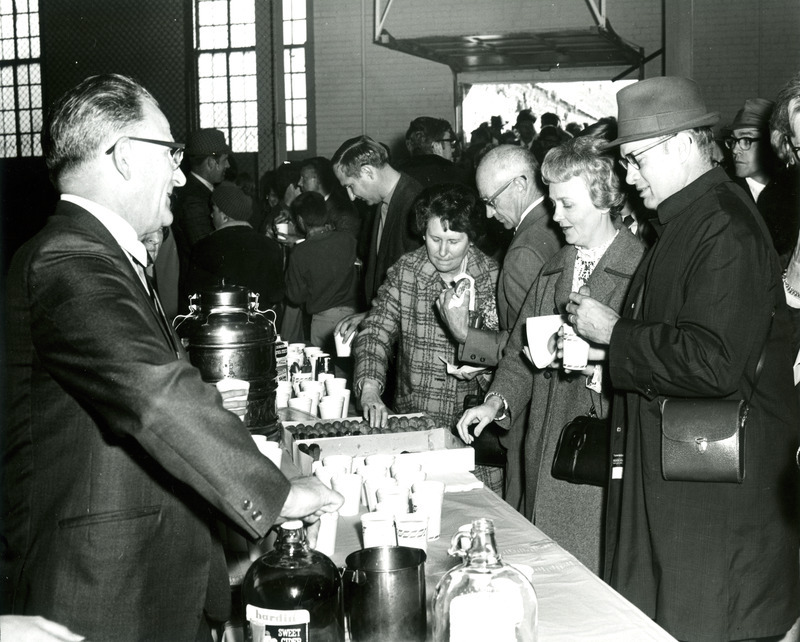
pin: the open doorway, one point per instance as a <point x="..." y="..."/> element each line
<point x="577" y="104"/>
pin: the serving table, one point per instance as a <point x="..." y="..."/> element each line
<point x="574" y="604"/>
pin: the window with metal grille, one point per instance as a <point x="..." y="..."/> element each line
<point x="20" y="79"/>
<point x="295" y="74"/>
<point x="225" y="42"/>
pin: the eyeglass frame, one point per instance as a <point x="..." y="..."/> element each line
<point x="630" y="159"/>
<point x="795" y="148"/>
<point x="175" y="154"/>
<point x="489" y="202"/>
<point x="732" y="141"/>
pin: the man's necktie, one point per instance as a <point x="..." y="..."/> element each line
<point x="150" y="286"/>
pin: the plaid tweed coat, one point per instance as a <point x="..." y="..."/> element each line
<point x="404" y="313"/>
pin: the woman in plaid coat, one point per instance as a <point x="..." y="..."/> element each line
<point x="404" y="316"/>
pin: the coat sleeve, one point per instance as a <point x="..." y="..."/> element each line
<point x="483" y="347"/>
<point x="94" y="331"/>
<point x="374" y="343"/>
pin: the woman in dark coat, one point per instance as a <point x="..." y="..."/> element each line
<point x="600" y="254"/>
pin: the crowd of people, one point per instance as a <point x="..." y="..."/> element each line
<point x="672" y="249"/>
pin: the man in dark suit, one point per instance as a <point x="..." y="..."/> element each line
<point x="207" y="153"/>
<point x="116" y="455"/>
<point x="432" y="144"/>
<point x="509" y="183"/>
<point x="706" y="560"/>
<point x="362" y="167"/>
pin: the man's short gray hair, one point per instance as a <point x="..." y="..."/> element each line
<point x="86" y="117"/>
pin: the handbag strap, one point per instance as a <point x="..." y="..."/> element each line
<point x="760" y="364"/>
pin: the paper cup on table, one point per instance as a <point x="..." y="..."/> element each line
<point x="317" y="387"/>
<point x="404" y="466"/>
<point x="349" y="487"/>
<point x="335" y="385"/>
<point x="326" y="536"/>
<point x="370" y="472"/>
<point x="330" y="409"/>
<point x="412" y="530"/>
<point x="380" y="459"/>
<point x="346" y="403"/>
<point x="344" y="461"/>
<point x="426" y="499"/>
<point x="271" y="449"/>
<point x="325" y="376"/>
<point x="284" y="386"/>
<point x="324" y="475"/>
<point x="377" y="529"/>
<point x="343" y="348"/>
<point x="393" y="498"/>
<point x="301" y="403"/>
<point x="313" y="398"/>
<point x="282" y="399"/>
<point x="408" y="478"/>
<point x="372" y="485"/>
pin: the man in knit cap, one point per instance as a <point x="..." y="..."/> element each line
<point x="235" y="252"/>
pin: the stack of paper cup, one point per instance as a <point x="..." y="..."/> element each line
<point x="372" y="485"/>
<point x="301" y="403"/>
<point x="393" y="499"/>
<point x="349" y="487"/>
<point x="338" y="386"/>
<point x="426" y="499"/>
<point x="283" y="394"/>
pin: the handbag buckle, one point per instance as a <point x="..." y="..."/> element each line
<point x="702" y="444"/>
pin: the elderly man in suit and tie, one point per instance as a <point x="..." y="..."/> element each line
<point x="362" y="167"/>
<point x="510" y="185"/>
<point x="116" y="455"/>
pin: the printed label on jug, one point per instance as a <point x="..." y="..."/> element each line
<point x="485" y="616"/>
<point x="269" y="625"/>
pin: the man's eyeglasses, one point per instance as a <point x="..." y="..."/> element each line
<point x="745" y="142"/>
<point x="452" y="141"/>
<point x="795" y="148"/>
<point x="175" y="149"/>
<point x="490" y="202"/>
<point x="632" y="159"/>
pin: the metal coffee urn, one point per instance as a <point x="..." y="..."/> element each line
<point x="227" y="336"/>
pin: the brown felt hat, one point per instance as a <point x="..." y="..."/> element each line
<point x="206" y="142"/>
<point x="755" y="113"/>
<point x="660" y="106"/>
<point x="232" y="201"/>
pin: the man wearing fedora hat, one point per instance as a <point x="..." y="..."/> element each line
<point x="207" y="154"/>
<point x="706" y="560"/>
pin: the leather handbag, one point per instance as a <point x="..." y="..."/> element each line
<point x="582" y="452"/>
<point x="703" y="440"/>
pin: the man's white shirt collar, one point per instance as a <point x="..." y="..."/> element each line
<point x="210" y="186"/>
<point x="118" y="227"/>
<point x="527" y="211"/>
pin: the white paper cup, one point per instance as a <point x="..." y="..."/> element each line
<point x="377" y="529"/>
<point x="380" y="459"/>
<point x="284" y="386"/>
<point x="336" y="403"/>
<point x="576" y="350"/>
<point x="325" y="475"/>
<point x="301" y="403"/>
<point x="394" y="498"/>
<point x="313" y="397"/>
<point x="271" y="449"/>
<point x="408" y="478"/>
<point x="349" y="487"/>
<point x="345" y="461"/>
<point x="367" y="473"/>
<point x="372" y="485"/>
<point x="282" y="228"/>
<point x="317" y="387"/>
<point x="426" y="499"/>
<point x="343" y="348"/>
<point x="404" y="466"/>
<point x="412" y="530"/>
<point x="335" y="385"/>
<point x="326" y="536"/>
<point x="282" y="399"/>
<point x="325" y="376"/>
<point x="346" y="403"/>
